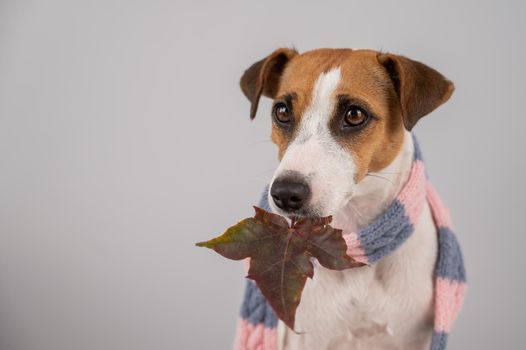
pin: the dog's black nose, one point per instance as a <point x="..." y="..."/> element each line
<point x="290" y="192"/>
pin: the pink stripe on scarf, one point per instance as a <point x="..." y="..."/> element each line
<point x="250" y="337"/>
<point x="440" y="211"/>
<point x="449" y="296"/>
<point x="354" y="249"/>
<point x="413" y="193"/>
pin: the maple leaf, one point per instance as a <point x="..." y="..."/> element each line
<point x="281" y="255"/>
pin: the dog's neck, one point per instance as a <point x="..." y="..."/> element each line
<point x="376" y="191"/>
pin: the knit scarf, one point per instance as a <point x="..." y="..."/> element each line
<point x="257" y="327"/>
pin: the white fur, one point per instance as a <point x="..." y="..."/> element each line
<point x="388" y="305"/>
<point x="316" y="154"/>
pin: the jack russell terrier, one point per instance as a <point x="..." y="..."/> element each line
<point x="342" y="122"/>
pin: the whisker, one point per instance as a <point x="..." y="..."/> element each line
<point x="389" y="172"/>
<point x="381" y="177"/>
<point x="357" y="212"/>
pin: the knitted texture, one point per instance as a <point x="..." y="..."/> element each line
<point x="257" y="325"/>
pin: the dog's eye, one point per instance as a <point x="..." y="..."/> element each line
<point x="355" y="116"/>
<point x="281" y="113"/>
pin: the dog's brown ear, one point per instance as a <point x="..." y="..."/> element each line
<point x="263" y="77"/>
<point x="420" y="88"/>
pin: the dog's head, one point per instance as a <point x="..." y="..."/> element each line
<point x="338" y="114"/>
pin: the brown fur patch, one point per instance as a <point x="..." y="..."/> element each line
<point x="397" y="91"/>
<point x="363" y="78"/>
<point x="300" y="77"/>
<point x="376" y="146"/>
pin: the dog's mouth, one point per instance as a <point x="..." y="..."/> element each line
<point x="303" y="213"/>
<point x="316" y="207"/>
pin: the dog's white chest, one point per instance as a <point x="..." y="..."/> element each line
<point x="386" y="306"/>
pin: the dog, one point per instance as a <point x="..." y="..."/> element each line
<point x="342" y="122"/>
